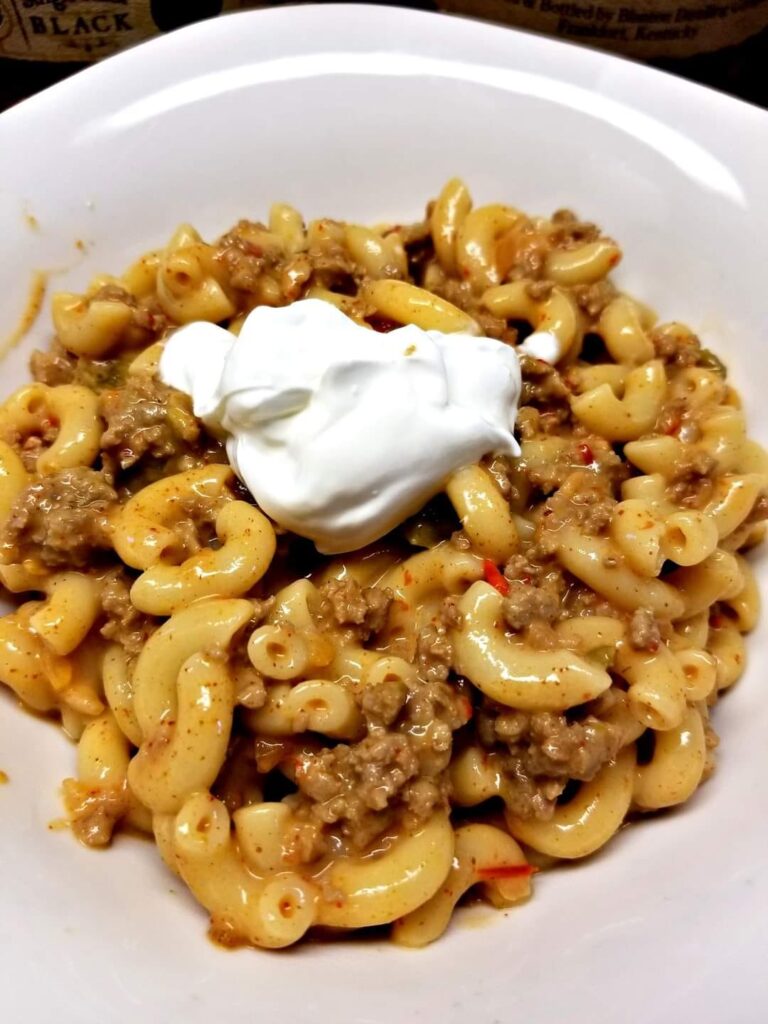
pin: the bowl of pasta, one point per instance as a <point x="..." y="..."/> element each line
<point x="382" y="502"/>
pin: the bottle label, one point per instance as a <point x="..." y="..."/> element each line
<point x="640" y="28"/>
<point x="86" y="30"/>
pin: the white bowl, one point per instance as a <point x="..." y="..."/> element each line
<point x="363" y="113"/>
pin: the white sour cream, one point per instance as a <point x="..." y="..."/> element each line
<point x="339" y="432"/>
<point x="541" y="345"/>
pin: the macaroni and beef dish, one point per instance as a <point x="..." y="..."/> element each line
<point x="498" y="684"/>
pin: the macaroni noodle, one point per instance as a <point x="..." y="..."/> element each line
<point x="494" y="687"/>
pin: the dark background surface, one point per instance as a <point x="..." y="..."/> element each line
<point x="739" y="70"/>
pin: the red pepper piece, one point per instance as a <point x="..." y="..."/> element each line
<point x="507" y="871"/>
<point x="495" y="578"/>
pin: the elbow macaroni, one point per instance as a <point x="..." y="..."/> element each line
<point x="513" y="674"/>
<point x="68" y="410"/>
<point x="542" y="644"/>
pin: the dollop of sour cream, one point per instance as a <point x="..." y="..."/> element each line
<point x="340" y="432"/>
<point x="541" y="345"/>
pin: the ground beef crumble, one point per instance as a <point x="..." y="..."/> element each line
<point x="520" y="567"/>
<point x="502" y="468"/>
<point x="60" y="520"/>
<point x="124" y="624"/>
<point x="345" y="603"/>
<point x="542" y="384"/>
<point x="145" y="418"/>
<point x="381" y="703"/>
<point x="94" y="811"/>
<point x="245" y="254"/>
<point x="643" y="630"/>
<point x="367" y="788"/>
<point x="676" y="344"/>
<point x="525" y="604"/>
<point x="593" y="298"/>
<point x="690" y="482"/>
<point x="570" y="231"/>
<point x="584" y="500"/>
<point x="396" y="776"/>
<point x="331" y="262"/>
<point x="434" y="651"/>
<point x="540" y="752"/>
<point x="54" y="367"/>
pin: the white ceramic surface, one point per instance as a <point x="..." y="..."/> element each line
<point x="363" y="113"/>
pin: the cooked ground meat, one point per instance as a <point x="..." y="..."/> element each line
<point x="694" y="493"/>
<point x="539" y="290"/>
<point x="60" y="520"/>
<point x="502" y="469"/>
<point x="459" y="293"/>
<point x="354" y="786"/>
<point x="31" y="446"/>
<point x="692" y="483"/>
<point x="548" y="475"/>
<point x="450" y="616"/>
<point x="528" y="422"/>
<point x="671" y="417"/>
<point x="695" y="463"/>
<point x="593" y="298"/>
<point x="245" y="253"/>
<point x="125" y="624"/>
<point x="542" y="751"/>
<point x="529" y="263"/>
<point x="149" y="316"/>
<point x="54" y="367"/>
<point x="493" y="326"/>
<point x="525" y="604"/>
<point x="521" y="252"/>
<point x="146" y="417"/>
<point x="584" y="500"/>
<point x="597" y="515"/>
<point x="570" y="231"/>
<point x="580" y="600"/>
<point x="643" y="632"/>
<point x="57" y="366"/>
<point x="691" y="479"/>
<point x="396" y="775"/>
<point x="94" y="812"/>
<point x="519" y="567"/>
<point x="434" y="651"/>
<point x="148" y="319"/>
<point x="346" y="603"/>
<point x="542" y="384"/>
<point x="381" y="703"/>
<point x="433" y="711"/>
<point x="676" y="344"/>
<point x="330" y="259"/>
